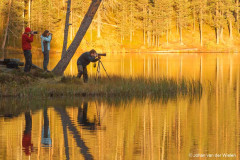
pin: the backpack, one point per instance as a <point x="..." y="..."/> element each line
<point x="12" y="64"/>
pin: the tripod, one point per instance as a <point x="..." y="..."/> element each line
<point x="98" y="69"/>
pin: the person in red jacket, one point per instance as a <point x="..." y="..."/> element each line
<point x="27" y="134"/>
<point x="27" y="39"/>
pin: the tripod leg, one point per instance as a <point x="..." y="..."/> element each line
<point x="98" y="70"/>
<point x="104" y="69"/>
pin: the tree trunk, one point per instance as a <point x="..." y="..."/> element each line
<point x="29" y="13"/>
<point x="23" y="22"/>
<point x="237" y="16"/>
<point x="177" y="27"/>
<point x="131" y="23"/>
<point x="62" y="64"/>
<point x="194" y="18"/>
<point x="6" y="30"/>
<point x="64" y="50"/>
<point x="156" y="37"/>
<point x="201" y="32"/>
<point x="130" y="36"/>
<point x="201" y="28"/>
<point x="144" y="28"/>
<point x="180" y="33"/>
<point x="49" y="15"/>
<point x="230" y="30"/>
<point x="217" y="29"/>
<point x="148" y="38"/>
<point x="144" y="37"/>
<point x="217" y="34"/>
<point x="167" y="34"/>
<point x="153" y="40"/>
<point x="71" y="34"/>
<point x="221" y="34"/>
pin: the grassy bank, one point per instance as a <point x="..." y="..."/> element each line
<point x="40" y="84"/>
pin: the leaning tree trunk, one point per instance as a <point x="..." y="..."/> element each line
<point x="64" y="49"/>
<point x="6" y="30"/>
<point x="62" y="64"/>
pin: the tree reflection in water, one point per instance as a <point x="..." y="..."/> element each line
<point x="80" y="143"/>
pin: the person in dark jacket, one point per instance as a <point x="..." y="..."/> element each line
<point x="46" y="38"/>
<point x="83" y="61"/>
<point x="26" y="46"/>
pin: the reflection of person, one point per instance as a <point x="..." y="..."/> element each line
<point x="26" y="46"/>
<point x="46" y="38"/>
<point x="27" y="135"/>
<point x="83" y="120"/>
<point x="46" y="139"/>
<point x="83" y="61"/>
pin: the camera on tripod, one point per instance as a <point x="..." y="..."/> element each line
<point x="101" y="54"/>
<point x="100" y="64"/>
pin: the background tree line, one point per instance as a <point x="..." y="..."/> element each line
<point x="130" y="23"/>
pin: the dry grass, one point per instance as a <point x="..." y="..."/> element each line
<point x="41" y="84"/>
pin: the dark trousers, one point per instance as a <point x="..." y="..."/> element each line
<point x="45" y="59"/>
<point x="82" y="70"/>
<point x="28" y="60"/>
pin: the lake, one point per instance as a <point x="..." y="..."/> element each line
<point x="131" y="128"/>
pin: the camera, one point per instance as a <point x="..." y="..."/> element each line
<point x="101" y="54"/>
<point x="34" y="32"/>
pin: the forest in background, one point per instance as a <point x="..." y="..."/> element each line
<point x="211" y="25"/>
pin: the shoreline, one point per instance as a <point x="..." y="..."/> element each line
<point x="45" y="84"/>
<point x="163" y="51"/>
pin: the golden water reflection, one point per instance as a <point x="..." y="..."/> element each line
<point x="137" y="129"/>
<point x="134" y="130"/>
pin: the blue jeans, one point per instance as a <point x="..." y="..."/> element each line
<point x="28" y="60"/>
<point x="46" y="59"/>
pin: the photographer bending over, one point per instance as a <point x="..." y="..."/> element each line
<point x="83" y="61"/>
<point x="26" y="46"/>
<point x="46" y="38"/>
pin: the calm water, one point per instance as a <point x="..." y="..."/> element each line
<point x="181" y="128"/>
